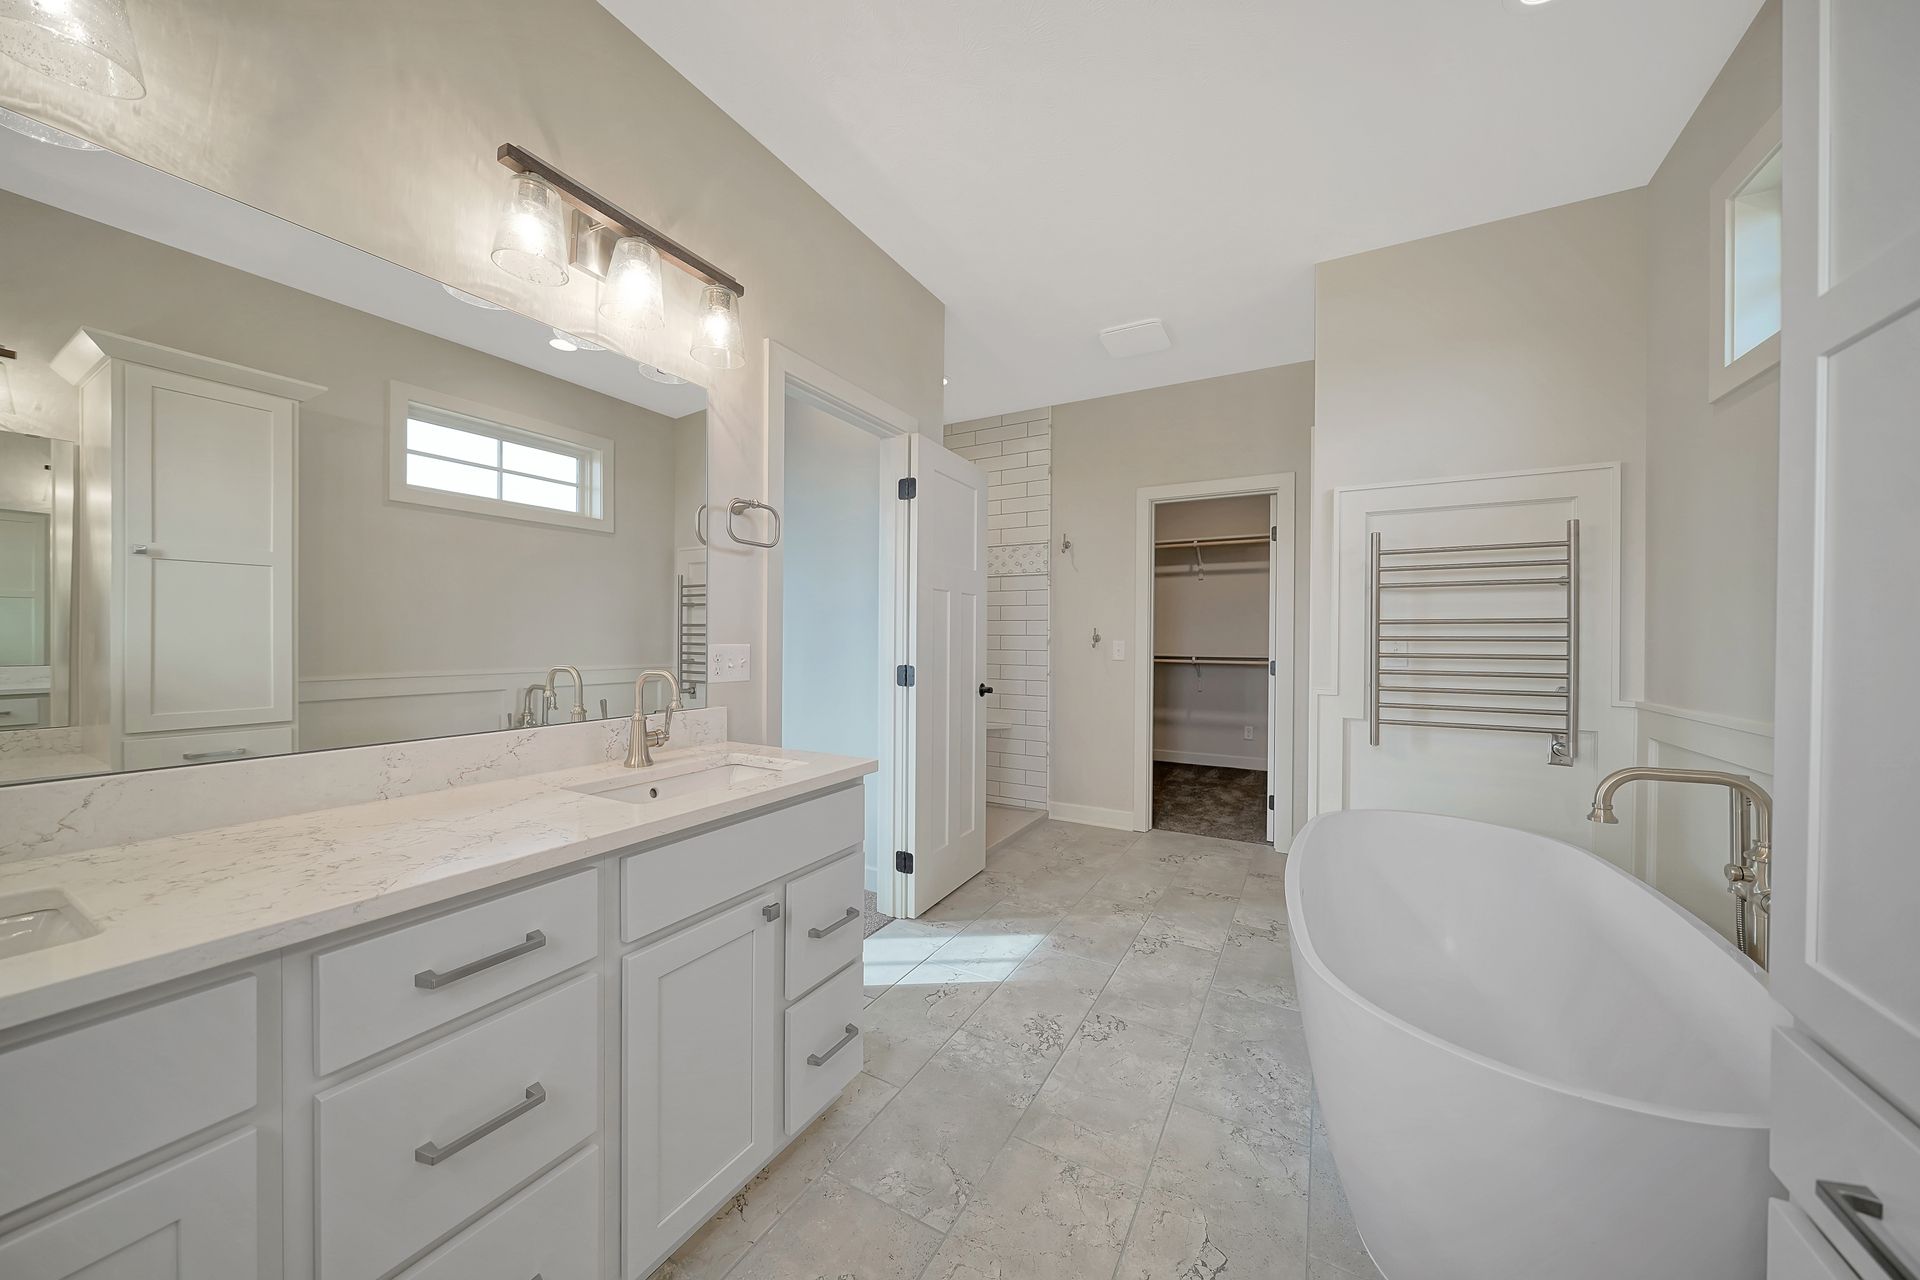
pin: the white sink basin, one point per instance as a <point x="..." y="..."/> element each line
<point x="38" y="919"/>
<point x="648" y="790"/>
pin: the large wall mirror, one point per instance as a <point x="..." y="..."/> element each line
<point x="261" y="492"/>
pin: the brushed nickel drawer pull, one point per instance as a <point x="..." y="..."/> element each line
<point x="231" y="753"/>
<point x="853" y="913"/>
<point x="1851" y="1203"/>
<point x="820" y="1059"/>
<point x="430" y="1153"/>
<point x="428" y="979"/>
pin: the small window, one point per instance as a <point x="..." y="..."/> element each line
<point x="466" y="458"/>
<point x="1746" y="275"/>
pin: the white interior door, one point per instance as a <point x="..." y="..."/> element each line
<point x="1277" y="645"/>
<point x="943" y="633"/>
<point x="209" y="565"/>
<point x="1846" y="954"/>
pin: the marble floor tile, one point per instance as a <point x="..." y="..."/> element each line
<point x="994" y="945"/>
<point x="1223" y="1200"/>
<point x="835" y="1230"/>
<point x="722" y="1242"/>
<point x="1197" y="917"/>
<point x="1129" y="886"/>
<point x="892" y="951"/>
<point x="1257" y="963"/>
<point x="925" y="1153"/>
<point x="971" y="900"/>
<point x="1037" y="1217"/>
<point x="1098" y="932"/>
<point x="1249" y="1064"/>
<point x="1103" y="1106"/>
<point x="1042" y="1002"/>
<point x="906" y="1026"/>
<point x="1161" y="983"/>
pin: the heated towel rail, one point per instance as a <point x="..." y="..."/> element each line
<point x="693" y="636"/>
<point x="1514" y="673"/>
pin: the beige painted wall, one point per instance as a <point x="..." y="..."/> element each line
<point x="1712" y="477"/>
<point x="1712" y="468"/>
<point x="377" y="124"/>
<point x="1104" y="452"/>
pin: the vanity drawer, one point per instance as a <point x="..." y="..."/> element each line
<point x="1797" y="1251"/>
<point x="1829" y="1126"/>
<point x="828" y="901"/>
<point x="490" y="1106"/>
<point x="88" y="1100"/>
<point x="825" y="1049"/>
<point x="550" y="1230"/>
<point x="157" y="751"/>
<point x="663" y="886"/>
<point x="373" y="994"/>
<point x="19" y="713"/>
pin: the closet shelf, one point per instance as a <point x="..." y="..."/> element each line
<point x="1199" y="660"/>
<point x="1187" y="544"/>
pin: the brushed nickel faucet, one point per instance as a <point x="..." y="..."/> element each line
<point x="641" y="740"/>
<point x="1748" y="870"/>
<point x="532" y="707"/>
<point x="579" y="712"/>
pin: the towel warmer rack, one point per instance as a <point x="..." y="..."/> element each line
<point x="692" y="635"/>
<point x="1536" y="656"/>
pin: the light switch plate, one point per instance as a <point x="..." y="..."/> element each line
<point x="1119" y="650"/>
<point x="729" y="663"/>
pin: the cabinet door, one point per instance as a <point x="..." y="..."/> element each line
<point x="702" y="1088"/>
<point x="209" y="473"/>
<point x="194" y="1219"/>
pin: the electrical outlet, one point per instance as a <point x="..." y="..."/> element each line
<point x="729" y="663"/>
<point x="1119" y="650"/>
<point x="1247" y="732"/>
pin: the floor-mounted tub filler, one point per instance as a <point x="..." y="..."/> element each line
<point x="1530" y="1063"/>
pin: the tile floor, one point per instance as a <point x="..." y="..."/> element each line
<point x="1086" y="1064"/>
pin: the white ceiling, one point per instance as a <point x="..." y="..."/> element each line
<point x="1049" y="169"/>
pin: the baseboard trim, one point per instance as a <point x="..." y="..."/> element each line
<point x="1091" y="816"/>
<point x="1204" y="760"/>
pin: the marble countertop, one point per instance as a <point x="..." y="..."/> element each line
<point x="171" y="907"/>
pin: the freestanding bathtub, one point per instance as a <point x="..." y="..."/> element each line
<point x="1531" y="1065"/>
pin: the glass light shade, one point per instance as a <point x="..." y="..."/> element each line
<point x="660" y="375"/>
<point x="564" y="341"/>
<point x="716" y="330"/>
<point x="531" y="242"/>
<point x="28" y="127"/>
<point x="85" y="43"/>
<point x="472" y="299"/>
<point x="633" y="296"/>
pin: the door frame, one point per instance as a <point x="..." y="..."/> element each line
<point x="1281" y="730"/>
<point x="790" y="373"/>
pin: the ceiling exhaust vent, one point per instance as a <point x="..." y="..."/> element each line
<point x="1142" y="337"/>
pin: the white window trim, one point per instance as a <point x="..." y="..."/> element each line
<point x="1722" y="377"/>
<point x="596" y="478"/>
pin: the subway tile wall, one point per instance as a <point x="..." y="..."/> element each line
<point x="1016" y="449"/>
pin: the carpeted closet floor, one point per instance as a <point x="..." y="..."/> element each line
<point x="1227" y="804"/>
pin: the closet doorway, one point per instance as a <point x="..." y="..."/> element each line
<point x="1214" y="633"/>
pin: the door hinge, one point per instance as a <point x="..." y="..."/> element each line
<point x="903" y="861"/>
<point x="903" y="676"/>
<point x="1273" y="666"/>
<point x="1269" y="803"/>
<point x="909" y="489"/>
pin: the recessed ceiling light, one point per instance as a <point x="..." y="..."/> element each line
<point x="472" y="299"/>
<point x="564" y="341"/>
<point x="1524" y="6"/>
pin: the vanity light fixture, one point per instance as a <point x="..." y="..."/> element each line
<point x="85" y="43"/>
<point x="27" y="127"/>
<point x="6" y="388"/>
<point x="531" y="241"/>
<point x="633" y="292"/>
<point x="716" y="331"/>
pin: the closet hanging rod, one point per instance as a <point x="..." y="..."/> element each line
<point x="1477" y="582"/>
<point x="1182" y="543"/>
<point x="1485" y="546"/>
<point x="1183" y="660"/>
<point x="1473" y="564"/>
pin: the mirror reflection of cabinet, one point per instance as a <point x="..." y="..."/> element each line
<point x="185" y="553"/>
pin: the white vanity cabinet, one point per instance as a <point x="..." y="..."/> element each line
<point x="184" y="551"/>
<point x="564" y="1077"/>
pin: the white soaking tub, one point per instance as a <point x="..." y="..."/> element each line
<point x="1531" y="1065"/>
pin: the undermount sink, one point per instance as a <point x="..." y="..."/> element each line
<point x="718" y="778"/>
<point x="38" y="919"/>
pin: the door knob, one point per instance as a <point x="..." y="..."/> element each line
<point x="985" y="689"/>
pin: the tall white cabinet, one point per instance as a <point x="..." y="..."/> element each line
<point x="1846" y="952"/>
<point x="186" y="559"/>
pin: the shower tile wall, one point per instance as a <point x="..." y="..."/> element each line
<point x="1016" y="449"/>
